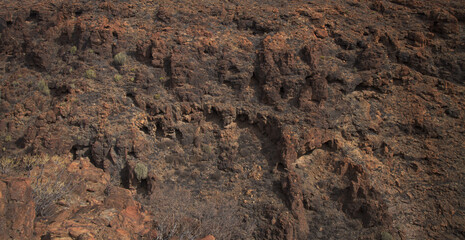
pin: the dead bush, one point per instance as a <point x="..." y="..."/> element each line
<point x="181" y="216"/>
<point x="48" y="190"/>
<point x="50" y="182"/>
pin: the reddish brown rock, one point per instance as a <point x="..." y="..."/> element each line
<point x="443" y="22"/>
<point x="418" y="38"/>
<point x="321" y="33"/>
<point x="17" y="212"/>
<point x="319" y="88"/>
<point x="230" y="99"/>
<point x="291" y="186"/>
<point x="371" y="58"/>
<point x="133" y="221"/>
<point x="95" y="179"/>
<point x="209" y="237"/>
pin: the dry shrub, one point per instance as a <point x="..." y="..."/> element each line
<point x="50" y="179"/>
<point x="47" y="191"/>
<point x="181" y="216"/>
<point x="26" y="163"/>
<point x="51" y="182"/>
<point x="7" y="165"/>
<point x="29" y="162"/>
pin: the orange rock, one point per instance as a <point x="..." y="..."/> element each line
<point x="119" y="198"/>
<point x="321" y="33"/>
<point x="77" y="231"/>
<point x="95" y="179"/>
<point x="123" y="234"/>
<point x="209" y="237"/>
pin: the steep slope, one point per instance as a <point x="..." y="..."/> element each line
<point x="306" y="119"/>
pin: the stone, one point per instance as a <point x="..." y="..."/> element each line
<point x="209" y="237"/>
<point x="321" y="33"/>
<point x="17" y="208"/>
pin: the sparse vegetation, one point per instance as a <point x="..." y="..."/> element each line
<point x="29" y="162"/>
<point x="8" y="138"/>
<point x="117" y="78"/>
<point x="90" y="74"/>
<point x="43" y="87"/>
<point x="181" y="216"/>
<point x="141" y="171"/>
<point x="73" y="50"/>
<point x="291" y="118"/>
<point x="48" y="190"/>
<point x="120" y="58"/>
<point x="386" y="236"/>
<point x="7" y="164"/>
<point x="207" y="149"/>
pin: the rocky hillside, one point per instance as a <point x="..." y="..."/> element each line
<point x="238" y="119"/>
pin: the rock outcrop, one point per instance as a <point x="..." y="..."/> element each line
<point x="303" y="119"/>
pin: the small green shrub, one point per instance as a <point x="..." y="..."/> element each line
<point x="157" y="96"/>
<point x="120" y="58"/>
<point x="141" y="171"/>
<point x="207" y="149"/>
<point x="8" y="138"/>
<point x="73" y="50"/>
<point x="386" y="236"/>
<point x="90" y="74"/>
<point x="91" y="51"/>
<point x="117" y="77"/>
<point x="43" y="87"/>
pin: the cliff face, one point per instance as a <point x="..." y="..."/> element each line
<point x="274" y="119"/>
